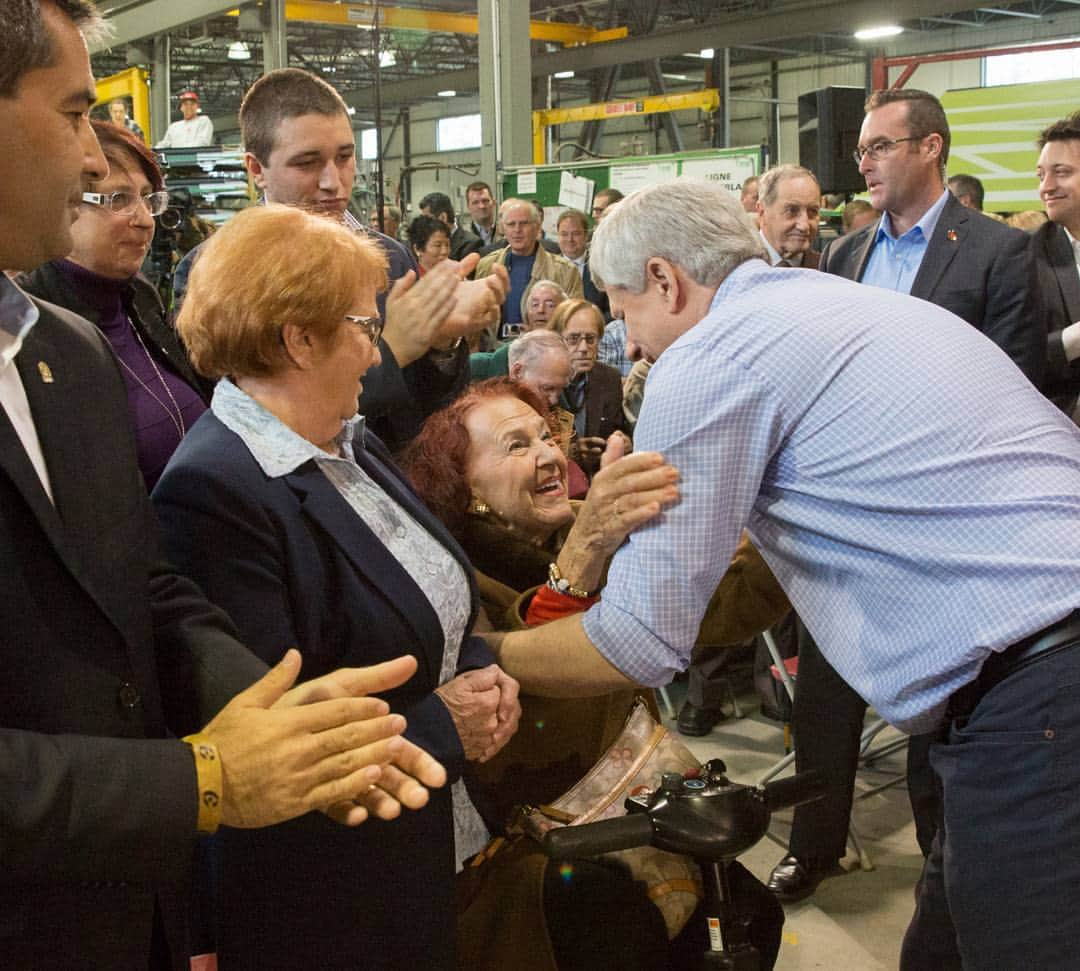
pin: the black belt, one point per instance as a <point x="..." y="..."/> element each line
<point x="1001" y="664"/>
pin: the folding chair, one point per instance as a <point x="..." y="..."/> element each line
<point x="786" y="671"/>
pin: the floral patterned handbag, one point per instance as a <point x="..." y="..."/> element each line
<point x="638" y="758"/>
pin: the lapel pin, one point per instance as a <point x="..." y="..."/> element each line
<point x="45" y="371"/>
<point x="951" y="235"/>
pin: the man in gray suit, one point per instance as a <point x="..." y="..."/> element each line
<point x="928" y="245"/>
<point x="1057" y="258"/>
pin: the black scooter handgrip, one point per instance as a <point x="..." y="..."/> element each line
<point x="606" y="836"/>
<point x="794" y="790"/>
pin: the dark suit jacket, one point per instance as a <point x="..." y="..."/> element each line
<point x="462" y="243"/>
<point x="980" y="269"/>
<point x="293" y="565"/>
<point x="603" y="407"/>
<point x="591" y="292"/>
<point x="104" y="652"/>
<point x="1059" y="287"/>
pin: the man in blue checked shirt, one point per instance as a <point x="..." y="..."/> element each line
<point x="918" y="500"/>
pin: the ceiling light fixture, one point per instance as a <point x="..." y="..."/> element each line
<point x="239" y="51"/>
<point x="563" y="74"/>
<point x="706" y="53"/>
<point x="876" y="33"/>
<point x="387" y="59"/>
<point x="447" y="94"/>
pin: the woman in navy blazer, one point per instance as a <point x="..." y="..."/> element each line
<point x="300" y="527"/>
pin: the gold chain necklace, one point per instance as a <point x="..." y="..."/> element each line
<point x="176" y="414"/>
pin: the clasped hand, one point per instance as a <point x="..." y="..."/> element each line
<point x="483" y="705"/>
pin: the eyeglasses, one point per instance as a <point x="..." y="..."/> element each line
<point x="881" y="148"/>
<point x="572" y="340"/>
<point x="371" y="326"/>
<point x="125" y="203"/>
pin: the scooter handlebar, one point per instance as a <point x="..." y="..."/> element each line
<point x="605" y="836"/>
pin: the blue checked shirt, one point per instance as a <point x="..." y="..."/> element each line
<point x="914" y="494"/>
<point x="613" y="347"/>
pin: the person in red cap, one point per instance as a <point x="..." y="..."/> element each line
<point x="191" y="131"/>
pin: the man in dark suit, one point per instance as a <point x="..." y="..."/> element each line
<point x="107" y="656"/>
<point x="462" y="242"/>
<point x="1057" y="258"/>
<point x="573" y="235"/>
<point x="789" y="201"/>
<point x="480" y="202"/>
<point x="929" y="245"/>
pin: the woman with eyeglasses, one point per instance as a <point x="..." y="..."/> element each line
<point x="594" y="392"/>
<point x="301" y="528"/>
<point x="100" y="281"/>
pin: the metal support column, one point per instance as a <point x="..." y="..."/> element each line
<point x="275" y="44"/>
<point x="720" y="77"/>
<point x="505" y="87"/>
<point x="160" y="90"/>
<point x="774" y="113"/>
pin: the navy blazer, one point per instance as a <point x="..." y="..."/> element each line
<point x="979" y="269"/>
<point x="293" y="565"/>
<point x="1059" y="285"/>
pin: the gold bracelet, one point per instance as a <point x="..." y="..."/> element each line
<point x="560" y="584"/>
<point x="208" y="778"/>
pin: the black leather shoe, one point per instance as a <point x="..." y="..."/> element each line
<point x="698" y="721"/>
<point x="792" y="880"/>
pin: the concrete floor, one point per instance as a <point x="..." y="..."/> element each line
<point x="855" y="921"/>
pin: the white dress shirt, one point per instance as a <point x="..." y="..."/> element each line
<point x="17" y="315"/>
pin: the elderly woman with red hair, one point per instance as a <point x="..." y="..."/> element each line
<point x="490" y="469"/>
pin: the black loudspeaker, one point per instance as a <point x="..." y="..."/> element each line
<point x="829" y="123"/>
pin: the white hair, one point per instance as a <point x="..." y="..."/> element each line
<point x="527" y="203"/>
<point x="770" y="181"/>
<point x="696" y="225"/>
<point x="540" y="285"/>
<point x="530" y="347"/>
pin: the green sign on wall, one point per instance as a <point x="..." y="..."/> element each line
<point x="994" y="132"/>
<point x="549" y="185"/>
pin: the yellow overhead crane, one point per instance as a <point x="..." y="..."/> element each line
<point x="408" y="18"/>
<point x="707" y="99"/>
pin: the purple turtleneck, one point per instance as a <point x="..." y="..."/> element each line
<point x="152" y="411"/>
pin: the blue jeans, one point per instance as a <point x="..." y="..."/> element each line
<point x="1001" y="887"/>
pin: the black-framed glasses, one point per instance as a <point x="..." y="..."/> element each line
<point x="572" y="340"/>
<point x="882" y="147"/>
<point x="125" y="203"/>
<point x="371" y="326"/>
